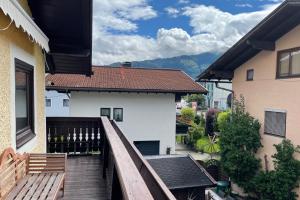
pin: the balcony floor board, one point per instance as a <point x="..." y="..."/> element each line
<point x="84" y="179"/>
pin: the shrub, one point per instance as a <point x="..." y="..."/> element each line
<point x="205" y="145"/>
<point x="239" y="142"/>
<point x="187" y="115"/>
<point x="222" y="119"/>
<point x="199" y="98"/>
<point x="196" y="132"/>
<point x="210" y="125"/>
<point x="279" y="183"/>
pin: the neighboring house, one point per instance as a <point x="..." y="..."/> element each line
<point x="216" y="97"/>
<point x="57" y="104"/>
<point x="24" y="50"/>
<point x="141" y="101"/>
<point x="264" y="67"/>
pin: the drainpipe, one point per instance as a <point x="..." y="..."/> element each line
<point x="228" y="90"/>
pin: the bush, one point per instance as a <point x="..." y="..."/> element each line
<point x="239" y="143"/>
<point x="279" y="183"/>
<point x="205" y="145"/>
<point x="222" y="119"/>
<point x="210" y="125"/>
<point x="196" y="132"/>
<point x="187" y="115"/>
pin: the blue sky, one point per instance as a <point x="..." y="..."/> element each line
<point x="128" y="30"/>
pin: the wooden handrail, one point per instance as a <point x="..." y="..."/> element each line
<point x="157" y="187"/>
<point x="132" y="183"/>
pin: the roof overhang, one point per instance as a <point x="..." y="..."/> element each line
<point x="21" y="19"/>
<point x="261" y="37"/>
<point x="68" y="24"/>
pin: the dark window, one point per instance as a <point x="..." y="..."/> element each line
<point x="250" y="74"/>
<point x="288" y="64"/>
<point x="24" y="102"/>
<point x="118" y="114"/>
<point x="216" y="104"/>
<point x="147" y="147"/>
<point x="48" y="102"/>
<point x="275" y="123"/>
<point x="105" y="112"/>
<point x="66" y="102"/>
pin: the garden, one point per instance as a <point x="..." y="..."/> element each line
<point x="234" y="136"/>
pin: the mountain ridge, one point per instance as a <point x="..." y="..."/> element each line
<point x="193" y="65"/>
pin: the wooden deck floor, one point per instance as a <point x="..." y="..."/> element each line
<point x="84" y="179"/>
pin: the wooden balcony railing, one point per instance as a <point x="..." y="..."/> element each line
<point x="127" y="174"/>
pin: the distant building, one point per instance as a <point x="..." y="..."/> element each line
<point x="216" y="97"/>
<point x="141" y="101"/>
<point x="57" y="104"/>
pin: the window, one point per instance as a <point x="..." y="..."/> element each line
<point x="48" y="102"/>
<point x="105" y="112"/>
<point x="216" y="104"/>
<point x="24" y="102"/>
<point x="288" y="64"/>
<point x="66" y="102"/>
<point x="250" y="74"/>
<point x="118" y="114"/>
<point x="275" y="123"/>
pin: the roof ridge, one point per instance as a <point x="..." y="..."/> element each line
<point x="143" y="68"/>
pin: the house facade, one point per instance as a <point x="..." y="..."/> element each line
<point x="25" y="54"/>
<point x="216" y="97"/>
<point x="264" y="67"/>
<point x="57" y="104"/>
<point x="141" y="101"/>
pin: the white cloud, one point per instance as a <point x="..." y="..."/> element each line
<point x="183" y="1"/>
<point x="120" y="15"/>
<point x="244" y="5"/>
<point x="173" y="12"/>
<point x="213" y="31"/>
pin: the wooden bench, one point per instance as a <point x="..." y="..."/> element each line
<point x="31" y="176"/>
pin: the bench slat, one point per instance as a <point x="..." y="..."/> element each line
<point x="34" y="187"/>
<point x="56" y="186"/>
<point x="41" y="187"/>
<point x="26" y="187"/>
<point x="18" y="188"/>
<point x="48" y="186"/>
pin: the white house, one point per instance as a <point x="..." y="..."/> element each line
<point x="141" y="101"/>
<point x="57" y="104"/>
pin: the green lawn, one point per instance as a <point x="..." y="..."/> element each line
<point x="204" y="144"/>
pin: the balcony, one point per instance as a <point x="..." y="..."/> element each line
<point x="102" y="163"/>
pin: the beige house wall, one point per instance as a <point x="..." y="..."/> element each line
<point x="267" y="92"/>
<point x="12" y="42"/>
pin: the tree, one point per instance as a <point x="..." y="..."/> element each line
<point x="187" y="115"/>
<point x="199" y="98"/>
<point x="239" y="143"/>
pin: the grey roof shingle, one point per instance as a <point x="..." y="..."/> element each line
<point x="180" y="172"/>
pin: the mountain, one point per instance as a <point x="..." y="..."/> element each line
<point x="192" y="65"/>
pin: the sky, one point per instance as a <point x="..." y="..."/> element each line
<point x="135" y="30"/>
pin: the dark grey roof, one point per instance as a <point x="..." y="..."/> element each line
<point x="179" y="172"/>
<point x="263" y="36"/>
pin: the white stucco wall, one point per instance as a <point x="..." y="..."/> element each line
<point x="146" y="117"/>
<point x="57" y="109"/>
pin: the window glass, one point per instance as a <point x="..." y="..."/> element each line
<point x="250" y="74"/>
<point x="22" y="117"/>
<point x="24" y="105"/>
<point x="66" y="102"/>
<point x="118" y="114"/>
<point x="284" y="64"/>
<point x="48" y="102"/>
<point x="275" y="123"/>
<point x="105" y="112"/>
<point x="295" y="61"/>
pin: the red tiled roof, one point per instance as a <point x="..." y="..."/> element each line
<point x="127" y="79"/>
